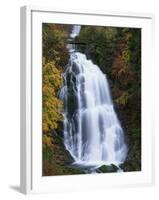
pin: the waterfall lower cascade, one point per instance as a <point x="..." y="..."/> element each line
<point x="92" y="132"/>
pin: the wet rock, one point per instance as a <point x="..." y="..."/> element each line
<point x="107" y="168"/>
<point x="75" y="68"/>
<point x="72" y="104"/>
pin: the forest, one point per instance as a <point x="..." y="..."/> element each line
<point x="117" y="51"/>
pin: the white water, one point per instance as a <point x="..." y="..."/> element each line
<point x="92" y="133"/>
<point x="75" y="31"/>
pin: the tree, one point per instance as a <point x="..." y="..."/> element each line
<point x="52" y="105"/>
<point x="54" y="44"/>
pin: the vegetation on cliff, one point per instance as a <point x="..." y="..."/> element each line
<point x="55" y="57"/>
<point x="117" y="51"/>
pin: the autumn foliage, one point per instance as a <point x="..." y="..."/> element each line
<point x="117" y="51"/>
<point x="52" y="106"/>
<point x="55" y="57"/>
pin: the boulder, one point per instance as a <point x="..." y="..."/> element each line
<point x="108" y="168"/>
<point x="75" y="68"/>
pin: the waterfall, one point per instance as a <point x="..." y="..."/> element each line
<point x="75" y="31"/>
<point x="92" y="132"/>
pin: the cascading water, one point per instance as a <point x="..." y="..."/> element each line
<point x="92" y="132"/>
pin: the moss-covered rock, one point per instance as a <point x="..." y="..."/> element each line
<point x="107" y="168"/>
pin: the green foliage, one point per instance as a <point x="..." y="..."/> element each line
<point x="54" y="44"/>
<point x="136" y="133"/>
<point x="56" y="159"/>
<point x="100" y="44"/>
<point x="47" y="153"/>
<point x="123" y="99"/>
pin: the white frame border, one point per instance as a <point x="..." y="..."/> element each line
<point x="26" y="93"/>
